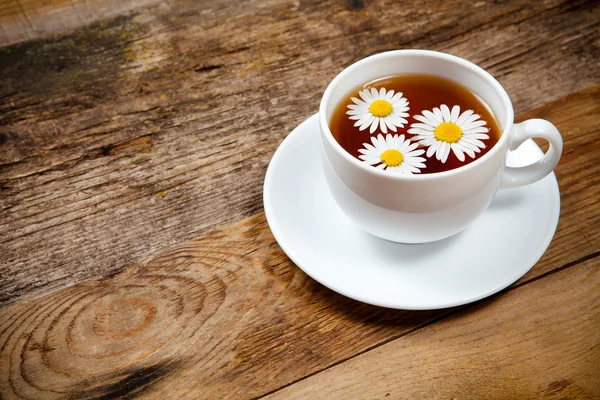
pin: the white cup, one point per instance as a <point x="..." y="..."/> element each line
<point x="423" y="208"/>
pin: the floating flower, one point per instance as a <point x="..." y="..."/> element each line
<point x="393" y="153"/>
<point x="384" y="109"/>
<point x="443" y="130"/>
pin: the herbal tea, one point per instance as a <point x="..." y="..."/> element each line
<point x="410" y="124"/>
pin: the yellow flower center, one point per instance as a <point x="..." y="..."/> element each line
<point x="448" y="132"/>
<point x="380" y="108"/>
<point x="392" y="157"/>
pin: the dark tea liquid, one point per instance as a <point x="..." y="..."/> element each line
<point x="423" y="92"/>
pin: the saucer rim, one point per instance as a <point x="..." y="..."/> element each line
<point x="279" y="236"/>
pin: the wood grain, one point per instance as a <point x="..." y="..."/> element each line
<point x="538" y="341"/>
<point x="28" y="19"/>
<point x="137" y="133"/>
<point x="578" y="232"/>
<point x="134" y="134"/>
<point x="227" y="315"/>
<point x="224" y="316"/>
<point x="223" y="312"/>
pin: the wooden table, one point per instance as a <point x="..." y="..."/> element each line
<point x="135" y="259"/>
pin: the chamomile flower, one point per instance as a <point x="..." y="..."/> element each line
<point x="442" y="130"/>
<point x="381" y="108"/>
<point x="393" y="153"/>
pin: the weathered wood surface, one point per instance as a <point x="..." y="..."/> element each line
<point x="498" y="349"/>
<point x="136" y="133"/>
<point x="120" y="141"/>
<point x="27" y="19"/>
<point x="230" y="313"/>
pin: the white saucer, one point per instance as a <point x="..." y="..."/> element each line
<point x="499" y="248"/>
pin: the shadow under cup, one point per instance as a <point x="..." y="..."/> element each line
<point x="414" y="208"/>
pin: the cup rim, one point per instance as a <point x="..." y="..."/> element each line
<point x="412" y="52"/>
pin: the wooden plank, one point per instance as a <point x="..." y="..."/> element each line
<point x="29" y="19"/>
<point x="215" y="317"/>
<point x="134" y="135"/>
<point x="578" y="232"/>
<point x="538" y="341"/>
<point x="227" y="315"/>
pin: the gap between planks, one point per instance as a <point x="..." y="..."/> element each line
<point x="455" y="311"/>
<point x="493" y="372"/>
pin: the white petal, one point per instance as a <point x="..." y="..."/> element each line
<point x="366" y="124"/>
<point x="425" y="127"/>
<point x="400" y="111"/>
<point x="398" y="121"/>
<point x="410" y="145"/>
<point x="433" y="119"/>
<point x="419" y="164"/>
<point x="472" y="125"/>
<point x="396" y="99"/>
<point x="365" y="96"/>
<point x="433" y="148"/>
<point x="445" y="113"/>
<point x="390" y="124"/>
<point x="357" y="101"/>
<point x="411" y="169"/>
<point x="362" y="107"/>
<point x="440" y="151"/>
<point x="370" y="147"/>
<point x="363" y="119"/>
<point x="421" y="139"/>
<point x="425" y="141"/>
<point x="471" y="119"/>
<point x="438" y="114"/>
<point x="375" y="158"/>
<point x="374" y="93"/>
<point x="374" y="125"/>
<point x="457" y="152"/>
<point x="468" y="146"/>
<point x="405" y="148"/>
<point x="382" y="125"/>
<point x="379" y="143"/>
<point x="470" y="152"/>
<point x="446" y="152"/>
<point x="463" y="117"/>
<point x="401" y="140"/>
<point x="454" y="114"/>
<point x="369" y="160"/>
<point x="477" y="135"/>
<point x="417" y="131"/>
<point x="413" y="151"/>
<point x="370" y="152"/>
<point x="476" y="142"/>
<point x="476" y="131"/>
<point x="425" y="120"/>
<point x="389" y="142"/>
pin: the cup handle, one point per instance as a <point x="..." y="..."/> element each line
<point x="520" y="176"/>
